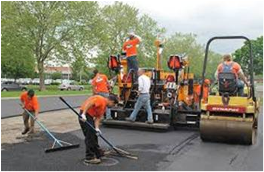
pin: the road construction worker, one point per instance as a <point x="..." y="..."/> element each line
<point x="101" y="87"/>
<point x="30" y="102"/>
<point x="228" y="65"/>
<point x="143" y="98"/>
<point x="206" y="91"/>
<point x="130" y="48"/>
<point x="92" y="111"/>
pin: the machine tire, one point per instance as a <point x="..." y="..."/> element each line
<point x="69" y="89"/>
<point x="4" y="89"/>
<point x="24" y="89"/>
<point x="80" y="89"/>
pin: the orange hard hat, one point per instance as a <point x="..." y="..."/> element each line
<point x="207" y="81"/>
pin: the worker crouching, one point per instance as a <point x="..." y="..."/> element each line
<point x="92" y="111"/>
<point x="30" y="102"/>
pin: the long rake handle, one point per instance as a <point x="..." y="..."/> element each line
<point x="43" y="127"/>
<point x="100" y="135"/>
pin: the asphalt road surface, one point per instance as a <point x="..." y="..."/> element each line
<point x="172" y="150"/>
<point x="11" y="107"/>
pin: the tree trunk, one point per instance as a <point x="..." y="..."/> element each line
<point x="41" y="76"/>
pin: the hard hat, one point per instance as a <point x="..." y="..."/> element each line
<point x="131" y="33"/>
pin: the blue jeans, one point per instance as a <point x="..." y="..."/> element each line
<point x="132" y="63"/>
<point x="108" y="111"/>
<point x="240" y="87"/>
<point x="143" y="100"/>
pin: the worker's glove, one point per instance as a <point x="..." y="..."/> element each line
<point x="98" y="131"/>
<point x="83" y="117"/>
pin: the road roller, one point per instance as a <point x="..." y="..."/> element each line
<point x="227" y="116"/>
<point x="172" y="94"/>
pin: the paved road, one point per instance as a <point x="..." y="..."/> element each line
<point x="10" y="107"/>
<point x="172" y="150"/>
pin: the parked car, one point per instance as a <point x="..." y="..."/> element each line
<point x="58" y="81"/>
<point x="36" y="81"/>
<point x="12" y="86"/>
<point x="70" y="86"/>
<point x="48" y="81"/>
<point x="25" y="81"/>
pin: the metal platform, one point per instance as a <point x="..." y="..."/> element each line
<point x="159" y="126"/>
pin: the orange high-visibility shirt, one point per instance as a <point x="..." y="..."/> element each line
<point x="31" y="104"/>
<point x="197" y="91"/>
<point x="99" y="107"/>
<point x="235" y="68"/>
<point x="100" y="83"/>
<point x="130" y="47"/>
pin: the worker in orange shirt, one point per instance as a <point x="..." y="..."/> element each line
<point x="101" y="87"/>
<point x="206" y="91"/>
<point x="130" y="48"/>
<point x="30" y="102"/>
<point x="92" y="111"/>
<point x="228" y="65"/>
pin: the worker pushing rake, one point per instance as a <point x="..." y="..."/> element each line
<point x="58" y="145"/>
<point x="91" y="113"/>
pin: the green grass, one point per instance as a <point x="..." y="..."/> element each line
<point x="50" y="90"/>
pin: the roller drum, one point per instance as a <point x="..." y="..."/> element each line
<point x="227" y="130"/>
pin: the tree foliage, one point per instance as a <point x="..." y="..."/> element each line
<point x="53" y="28"/>
<point x="84" y="34"/>
<point x="242" y="56"/>
<point x="186" y="44"/>
<point x="16" y="57"/>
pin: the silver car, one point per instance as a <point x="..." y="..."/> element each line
<point x="12" y="86"/>
<point x="70" y="86"/>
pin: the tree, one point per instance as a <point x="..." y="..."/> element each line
<point x="56" y="75"/>
<point x="17" y="60"/>
<point x="242" y="56"/>
<point x="79" y="69"/>
<point x="186" y="44"/>
<point x="149" y="31"/>
<point x="52" y="28"/>
<point x="118" y="19"/>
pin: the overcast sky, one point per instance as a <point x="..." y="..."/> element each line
<point x="207" y="18"/>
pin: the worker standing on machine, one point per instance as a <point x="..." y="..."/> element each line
<point x="130" y="49"/>
<point x="228" y="65"/>
<point x="101" y="87"/>
<point x="30" y="102"/>
<point x="92" y="111"/>
<point x="143" y="98"/>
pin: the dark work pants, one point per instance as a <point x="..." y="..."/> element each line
<point x="91" y="139"/>
<point x="132" y="63"/>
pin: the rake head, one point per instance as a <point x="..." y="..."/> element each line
<point x="60" y="148"/>
<point x="123" y="153"/>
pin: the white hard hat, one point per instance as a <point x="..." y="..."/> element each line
<point x="131" y="33"/>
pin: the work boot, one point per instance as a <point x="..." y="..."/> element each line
<point x="149" y="122"/>
<point x="25" y="131"/>
<point x="129" y="119"/>
<point x="92" y="161"/>
<point x="31" y="131"/>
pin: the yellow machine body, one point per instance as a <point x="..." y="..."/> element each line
<point x="235" y="122"/>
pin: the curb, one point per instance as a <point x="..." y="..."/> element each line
<point x="69" y="95"/>
<point x="52" y="110"/>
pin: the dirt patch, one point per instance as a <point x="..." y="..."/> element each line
<point x="58" y="121"/>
